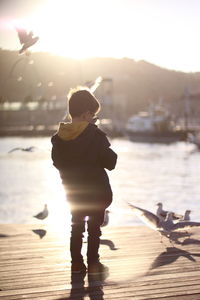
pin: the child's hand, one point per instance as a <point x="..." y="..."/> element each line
<point x="94" y="120"/>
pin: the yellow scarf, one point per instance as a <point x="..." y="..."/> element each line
<point x="70" y="131"/>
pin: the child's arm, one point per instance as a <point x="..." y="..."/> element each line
<point x="108" y="157"/>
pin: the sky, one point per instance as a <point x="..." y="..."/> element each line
<point x="162" y="32"/>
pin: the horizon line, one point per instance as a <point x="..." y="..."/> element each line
<point x="100" y="57"/>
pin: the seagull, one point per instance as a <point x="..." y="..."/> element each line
<point x="163" y="213"/>
<point x="93" y="85"/>
<point x="164" y="227"/>
<point x="185" y="218"/>
<point x="187" y="215"/>
<point x="43" y="214"/>
<point x="106" y="218"/>
<point x="26" y="39"/>
<point x="28" y="149"/>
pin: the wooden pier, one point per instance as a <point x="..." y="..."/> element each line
<point x="35" y="264"/>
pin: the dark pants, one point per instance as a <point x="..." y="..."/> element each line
<point x="95" y="220"/>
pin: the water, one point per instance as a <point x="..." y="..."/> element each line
<point x="145" y="175"/>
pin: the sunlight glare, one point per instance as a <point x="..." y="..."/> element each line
<point x="75" y="29"/>
<point x="59" y="216"/>
<point x="83" y="29"/>
<point x="66" y="30"/>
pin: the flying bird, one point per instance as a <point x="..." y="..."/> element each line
<point x="28" y="149"/>
<point x="162" y="214"/>
<point x="164" y="227"/>
<point x="93" y="85"/>
<point x="26" y="39"/>
<point x="43" y="214"/>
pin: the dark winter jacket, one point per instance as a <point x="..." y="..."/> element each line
<point x="81" y="163"/>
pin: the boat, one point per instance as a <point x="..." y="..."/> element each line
<point x="154" y="126"/>
<point x="111" y="128"/>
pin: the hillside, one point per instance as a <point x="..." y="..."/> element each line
<point x="140" y="82"/>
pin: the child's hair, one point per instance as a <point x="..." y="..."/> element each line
<point x="82" y="100"/>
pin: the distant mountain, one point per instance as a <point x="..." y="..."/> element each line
<point x="46" y="75"/>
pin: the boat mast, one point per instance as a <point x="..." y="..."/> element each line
<point x="186" y="107"/>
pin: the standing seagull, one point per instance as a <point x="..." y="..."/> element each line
<point x="162" y="214"/>
<point x="164" y="227"/>
<point x="106" y="218"/>
<point x="186" y="216"/>
<point x="43" y="214"/>
<point x="26" y="39"/>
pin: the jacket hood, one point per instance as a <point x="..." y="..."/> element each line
<point x="73" y="144"/>
<point x="70" y="131"/>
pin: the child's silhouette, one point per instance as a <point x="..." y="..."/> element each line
<point x="81" y="152"/>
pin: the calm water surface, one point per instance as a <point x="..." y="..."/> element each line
<point x="145" y="175"/>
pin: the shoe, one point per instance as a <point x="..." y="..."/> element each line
<point x="97" y="268"/>
<point x="78" y="268"/>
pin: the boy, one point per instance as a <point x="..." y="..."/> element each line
<point x="80" y="152"/>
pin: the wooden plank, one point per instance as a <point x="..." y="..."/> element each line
<point x="141" y="267"/>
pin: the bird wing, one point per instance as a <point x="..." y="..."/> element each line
<point x="89" y="84"/>
<point x="185" y="225"/>
<point x="14" y="149"/>
<point x="162" y="214"/>
<point x="177" y="216"/>
<point x="22" y="34"/>
<point x="96" y="84"/>
<point x="39" y="215"/>
<point x="32" y="148"/>
<point x="146" y="216"/>
<point x="28" y="43"/>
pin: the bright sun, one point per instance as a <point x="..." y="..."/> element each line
<point x="68" y="28"/>
<point x="87" y="28"/>
<point x="92" y="28"/>
<point x="108" y="28"/>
